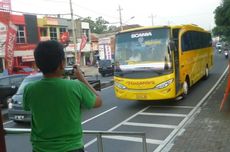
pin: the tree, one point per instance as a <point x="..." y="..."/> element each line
<point x="100" y="25"/>
<point x="113" y="28"/>
<point x="222" y="20"/>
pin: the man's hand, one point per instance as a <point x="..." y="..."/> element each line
<point x="78" y="73"/>
<point x="80" y="77"/>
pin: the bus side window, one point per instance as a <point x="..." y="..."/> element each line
<point x="186" y="41"/>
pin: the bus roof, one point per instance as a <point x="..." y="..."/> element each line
<point x="189" y="26"/>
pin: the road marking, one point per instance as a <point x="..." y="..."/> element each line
<point x="83" y="121"/>
<point x="98" y="115"/>
<point x="118" y="125"/>
<point x="150" y="125"/>
<point x="163" y="114"/>
<point x="175" y="132"/>
<point x="184" y="107"/>
<point x="134" y="139"/>
<point x="7" y="122"/>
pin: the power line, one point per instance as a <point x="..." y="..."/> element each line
<point x="42" y="14"/>
<point x="91" y="10"/>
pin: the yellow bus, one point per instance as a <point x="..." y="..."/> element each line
<point x="157" y="63"/>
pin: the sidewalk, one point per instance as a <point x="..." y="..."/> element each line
<point x="90" y="70"/>
<point x="210" y="129"/>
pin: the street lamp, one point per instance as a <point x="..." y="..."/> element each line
<point x="129" y="19"/>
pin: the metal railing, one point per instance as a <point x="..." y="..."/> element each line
<point x="98" y="134"/>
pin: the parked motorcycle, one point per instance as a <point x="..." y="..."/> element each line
<point x="219" y="50"/>
<point x="226" y="53"/>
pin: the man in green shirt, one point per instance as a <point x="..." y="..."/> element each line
<point x="55" y="103"/>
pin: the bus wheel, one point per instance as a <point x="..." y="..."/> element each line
<point x="185" y="87"/>
<point x="206" y="73"/>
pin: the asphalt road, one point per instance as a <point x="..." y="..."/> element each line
<point x="161" y="121"/>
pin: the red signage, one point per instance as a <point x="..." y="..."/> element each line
<point x="64" y="37"/>
<point x="5" y="4"/>
<point x="24" y="47"/>
<point x="9" y="47"/>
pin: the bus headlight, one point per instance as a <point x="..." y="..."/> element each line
<point x="164" y="84"/>
<point x="119" y="85"/>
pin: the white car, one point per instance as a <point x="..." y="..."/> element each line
<point x="218" y="45"/>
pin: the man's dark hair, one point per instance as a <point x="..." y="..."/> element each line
<point x="49" y="55"/>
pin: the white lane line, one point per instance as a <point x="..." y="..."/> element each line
<point x="7" y="122"/>
<point x="150" y="125"/>
<point x="175" y="132"/>
<point x="163" y="114"/>
<point x="98" y="115"/>
<point x="183" y="107"/>
<point x="118" y="125"/>
<point x="134" y="139"/>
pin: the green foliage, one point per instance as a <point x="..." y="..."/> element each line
<point x="99" y="26"/>
<point x="222" y="20"/>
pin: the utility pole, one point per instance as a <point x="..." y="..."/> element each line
<point x="73" y="30"/>
<point x="121" y="25"/>
<point x="152" y="18"/>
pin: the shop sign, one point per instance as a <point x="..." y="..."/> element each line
<point x="28" y="58"/>
<point x="5" y="4"/>
<point x="51" y="21"/>
<point x="22" y="47"/>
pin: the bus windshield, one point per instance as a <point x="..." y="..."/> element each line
<point x="143" y="54"/>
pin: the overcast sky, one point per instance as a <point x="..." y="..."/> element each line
<point x="164" y="12"/>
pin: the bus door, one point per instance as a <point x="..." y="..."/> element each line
<point x="175" y="34"/>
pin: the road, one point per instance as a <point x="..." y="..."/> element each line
<point x="161" y="121"/>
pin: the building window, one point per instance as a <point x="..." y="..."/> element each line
<point x="53" y="33"/>
<point x="21" y="34"/>
<point x="62" y="30"/>
<point x="43" y="31"/>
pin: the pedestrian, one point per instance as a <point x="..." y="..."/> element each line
<point x="55" y="103"/>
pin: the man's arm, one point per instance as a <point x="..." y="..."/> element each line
<point x="81" y="78"/>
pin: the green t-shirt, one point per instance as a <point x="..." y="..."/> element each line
<point x="56" y="116"/>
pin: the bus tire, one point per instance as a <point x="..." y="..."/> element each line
<point x="186" y="86"/>
<point x="206" y="73"/>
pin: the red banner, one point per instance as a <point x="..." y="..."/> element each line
<point x="4" y="22"/>
<point x="82" y="45"/>
<point x="9" y="46"/>
<point x="83" y="41"/>
<point x="5" y="4"/>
